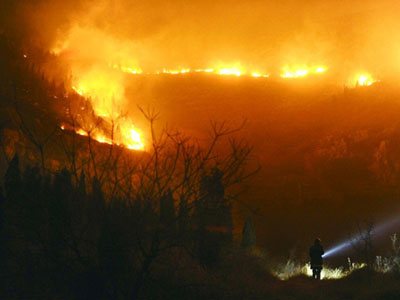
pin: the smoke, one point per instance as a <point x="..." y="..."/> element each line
<point x="263" y="35"/>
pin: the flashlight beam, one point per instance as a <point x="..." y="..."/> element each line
<point x="346" y="244"/>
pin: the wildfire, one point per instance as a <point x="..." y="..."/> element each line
<point x="100" y="74"/>
<point x="105" y="87"/>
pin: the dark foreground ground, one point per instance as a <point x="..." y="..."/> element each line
<point x="356" y="286"/>
<point x="246" y="277"/>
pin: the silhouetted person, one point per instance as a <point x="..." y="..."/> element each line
<point x="316" y="252"/>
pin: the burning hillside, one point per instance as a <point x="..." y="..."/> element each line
<point x="312" y="79"/>
<point x="101" y="43"/>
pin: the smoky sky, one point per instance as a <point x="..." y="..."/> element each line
<point x="261" y="34"/>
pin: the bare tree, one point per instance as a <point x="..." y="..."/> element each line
<point x="362" y="244"/>
<point x="143" y="201"/>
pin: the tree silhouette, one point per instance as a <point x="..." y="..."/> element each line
<point x="214" y="216"/>
<point x="12" y="179"/>
<point x="248" y="234"/>
<point x="145" y="206"/>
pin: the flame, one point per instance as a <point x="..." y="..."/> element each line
<point x="98" y="74"/>
<point x="255" y="74"/>
<point x="296" y="72"/>
<point x="230" y="71"/>
<point x="181" y="71"/>
<point x="131" y="136"/>
<point x="204" y="70"/>
<point x="81" y="91"/>
<point x="81" y="132"/>
<point x="235" y="70"/>
<point x="125" y="132"/>
<point x="365" y="79"/>
<point x="128" y="69"/>
<point x="104" y="86"/>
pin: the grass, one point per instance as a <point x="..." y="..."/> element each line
<point x="248" y="277"/>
